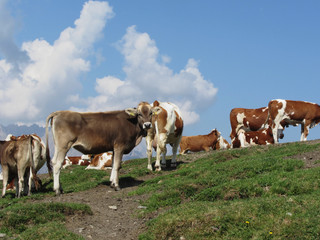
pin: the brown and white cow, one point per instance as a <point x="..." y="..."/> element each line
<point x="167" y="127"/>
<point x="294" y="112"/>
<point x="250" y="120"/>
<point x="260" y="137"/>
<point x="199" y="143"/>
<point x="16" y="160"/>
<point x="83" y="160"/>
<point x="98" y="132"/>
<point x="101" y="161"/>
<point x="39" y="158"/>
<point x="222" y="143"/>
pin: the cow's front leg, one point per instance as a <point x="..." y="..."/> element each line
<point x="149" y="140"/>
<point x="161" y="150"/>
<point x="174" y="153"/>
<point x="114" y="177"/>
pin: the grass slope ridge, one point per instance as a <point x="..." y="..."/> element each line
<point x="261" y="192"/>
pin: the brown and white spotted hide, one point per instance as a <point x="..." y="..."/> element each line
<point x="167" y="127"/>
<point x="101" y="161"/>
<point x="222" y="143"/>
<point x="294" y="112"/>
<point x="260" y="137"/>
<point x="250" y="120"/>
<point x="97" y="132"/>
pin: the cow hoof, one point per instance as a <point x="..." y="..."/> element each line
<point x="150" y="168"/>
<point x="157" y="168"/>
<point x="174" y="165"/>
<point x="117" y="188"/>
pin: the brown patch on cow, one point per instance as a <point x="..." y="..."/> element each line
<point x="178" y="125"/>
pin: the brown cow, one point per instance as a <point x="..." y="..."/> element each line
<point x="94" y="133"/>
<point x="199" y="143"/>
<point x="250" y="120"/>
<point x="294" y="112"/>
<point x="260" y="137"/>
<point x="16" y="162"/>
<point x="167" y="127"/>
<point x="83" y="160"/>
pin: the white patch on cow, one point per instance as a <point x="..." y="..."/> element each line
<point x="103" y="159"/>
<point x="240" y="117"/>
<point x="264" y="132"/>
<point x="171" y="116"/>
<point x="265" y="109"/>
<point x="8" y="138"/>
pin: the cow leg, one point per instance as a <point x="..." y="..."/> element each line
<point x="57" y="162"/>
<point x="5" y="173"/>
<point x="21" y="172"/>
<point x="149" y="140"/>
<point x="275" y="127"/>
<point x="161" y="150"/>
<point x="114" y="177"/>
<point x="305" y="130"/>
<point x="174" y="154"/>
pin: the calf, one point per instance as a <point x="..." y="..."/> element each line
<point x="222" y="143"/>
<point x="16" y="159"/>
<point x="101" y="161"/>
<point x="260" y="137"/>
<point x="167" y="127"/>
<point x="200" y="142"/>
<point x="293" y="112"/>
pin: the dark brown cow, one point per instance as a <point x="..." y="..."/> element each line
<point x="94" y="133"/>
<point x="260" y="137"/>
<point x="250" y="120"/>
<point x="294" y="112"/>
<point x="16" y="161"/>
<point x="167" y="127"/>
<point x="199" y="143"/>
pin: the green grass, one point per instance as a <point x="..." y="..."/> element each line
<point x="253" y="193"/>
<point x="214" y="197"/>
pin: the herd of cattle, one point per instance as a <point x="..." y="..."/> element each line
<point x="103" y="138"/>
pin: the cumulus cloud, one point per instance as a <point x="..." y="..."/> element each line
<point x="51" y="74"/>
<point x="149" y="78"/>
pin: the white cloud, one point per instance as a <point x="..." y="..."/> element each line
<point x="149" y="78"/>
<point x="50" y="77"/>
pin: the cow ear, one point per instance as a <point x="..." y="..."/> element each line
<point x="132" y="112"/>
<point x="156" y="110"/>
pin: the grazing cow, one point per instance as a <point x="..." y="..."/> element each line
<point x="260" y="137"/>
<point x="167" y="127"/>
<point x="250" y="120"/>
<point x="293" y="112"/>
<point x="101" y="161"/>
<point x="94" y="133"/>
<point x="222" y="143"/>
<point x="200" y="142"/>
<point x="16" y="160"/>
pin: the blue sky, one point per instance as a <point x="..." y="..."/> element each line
<point x="206" y="56"/>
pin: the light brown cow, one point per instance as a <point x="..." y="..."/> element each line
<point x="260" y="137"/>
<point x="101" y="161"/>
<point x="167" y="127"/>
<point x="39" y="156"/>
<point x="294" y="112"/>
<point x="200" y="142"/>
<point x="250" y="120"/>
<point x="94" y="133"/>
<point x="16" y="162"/>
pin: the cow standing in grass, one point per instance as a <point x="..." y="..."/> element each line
<point x="98" y="132"/>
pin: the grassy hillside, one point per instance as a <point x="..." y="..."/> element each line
<point x="254" y="193"/>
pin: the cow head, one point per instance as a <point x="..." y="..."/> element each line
<point x="143" y="113"/>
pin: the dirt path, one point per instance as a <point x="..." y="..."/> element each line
<point x="114" y="213"/>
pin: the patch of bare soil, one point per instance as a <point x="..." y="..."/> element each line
<point x="115" y="214"/>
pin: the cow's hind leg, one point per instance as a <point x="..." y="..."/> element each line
<point x="174" y="153"/>
<point x="21" y="172"/>
<point x="114" y="177"/>
<point x="161" y="150"/>
<point x="57" y="162"/>
<point x="305" y="130"/>
<point x="5" y="174"/>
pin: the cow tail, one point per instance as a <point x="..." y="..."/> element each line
<point x="49" y="118"/>
<point x="33" y="171"/>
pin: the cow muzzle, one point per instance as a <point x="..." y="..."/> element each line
<point x="147" y="125"/>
